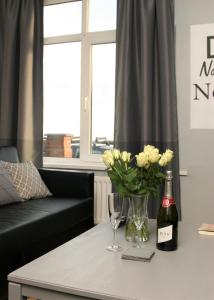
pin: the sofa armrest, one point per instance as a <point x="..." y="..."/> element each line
<point x="66" y="183"/>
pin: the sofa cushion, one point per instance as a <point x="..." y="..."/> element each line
<point x="8" y="193"/>
<point x="9" y="153"/>
<point x="22" y="224"/>
<point x="26" y="180"/>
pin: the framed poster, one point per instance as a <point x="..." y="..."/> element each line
<point x="202" y="76"/>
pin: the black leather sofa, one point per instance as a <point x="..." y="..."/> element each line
<point x="30" y="229"/>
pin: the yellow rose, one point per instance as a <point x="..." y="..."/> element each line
<point x="148" y="149"/>
<point x="154" y="155"/>
<point x="108" y="161"/>
<point x="107" y="153"/>
<point x="142" y="160"/>
<point x="163" y="160"/>
<point x="169" y="155"/>
<point x="108" y="158"/>
<point x="125" y="156"/>
<point x="116" y="153"/>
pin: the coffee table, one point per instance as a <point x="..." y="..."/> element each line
<point x="83" y="269"/>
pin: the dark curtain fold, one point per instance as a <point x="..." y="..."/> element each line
<point x="146" y="104"/>
<point x="21" y="77"/>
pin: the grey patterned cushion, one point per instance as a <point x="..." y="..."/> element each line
<point x="26" y="180"/>
<point x="8" y="193"/>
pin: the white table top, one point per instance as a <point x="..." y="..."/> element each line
<point x="84" y="267"/>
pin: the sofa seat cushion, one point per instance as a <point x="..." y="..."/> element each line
<point x="32" y="221"/>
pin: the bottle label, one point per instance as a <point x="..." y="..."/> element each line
<point x="165" y="234"/>
<point x="167" y="202"/>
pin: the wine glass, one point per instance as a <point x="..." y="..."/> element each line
<point x="115" y="208"/>
<point x="138" y="209"/>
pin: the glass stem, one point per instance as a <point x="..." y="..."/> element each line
<point x="115" y="237"/>
<point x="139" y="238"/>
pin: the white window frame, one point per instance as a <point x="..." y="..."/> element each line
<point x="87" y="39"/>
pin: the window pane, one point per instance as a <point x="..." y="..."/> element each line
<point x="62" y="98"/>
<point x="103" y="95"/>
<point x="62" y="19"/>
<point x="102" y="15"/>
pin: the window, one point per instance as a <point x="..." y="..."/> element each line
<point x="79" y="75"/>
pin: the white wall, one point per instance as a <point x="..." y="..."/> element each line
<point x="196" y="145"/>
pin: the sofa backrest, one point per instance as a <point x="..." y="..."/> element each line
<point x="9" y="153"/>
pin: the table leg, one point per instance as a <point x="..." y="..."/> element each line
<point x="14" y="291"/>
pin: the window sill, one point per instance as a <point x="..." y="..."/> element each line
<point x="75" y="164"/>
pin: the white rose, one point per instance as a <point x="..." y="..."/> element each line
<point x="125" y="156"/>
<point x="142" y="160"/>
<point x="169" y="155"/>
<point x="116" y="153"/>
<point x="163" y="160"/>
<point x="154" y="155"/>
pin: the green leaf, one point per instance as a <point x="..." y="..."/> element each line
<point x="160" y="175"/>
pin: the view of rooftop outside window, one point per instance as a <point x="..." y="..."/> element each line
<point x="65" y="51"/>
<point x="62" y="97"/>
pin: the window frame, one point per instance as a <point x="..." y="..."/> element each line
<point x="87" y="39"/>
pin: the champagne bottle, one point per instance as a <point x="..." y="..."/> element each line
<point x="167" y="219"/>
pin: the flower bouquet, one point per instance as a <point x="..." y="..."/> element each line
<point x="141" y="174"/>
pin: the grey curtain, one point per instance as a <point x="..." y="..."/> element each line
<point x="146" y="105"/>
<point x="21" y="80"/>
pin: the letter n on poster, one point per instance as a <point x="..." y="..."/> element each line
<point x="202" y="76"/>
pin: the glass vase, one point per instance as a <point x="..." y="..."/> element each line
<point x="131" y="233"/>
